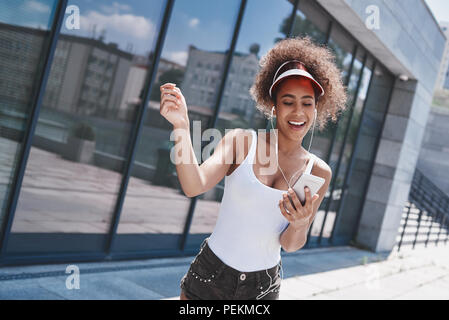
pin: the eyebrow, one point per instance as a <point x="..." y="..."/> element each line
<point x="292" y="96"/>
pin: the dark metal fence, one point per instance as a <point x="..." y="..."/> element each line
<point x="426" y="215"/>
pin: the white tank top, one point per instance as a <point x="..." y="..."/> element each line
<point x="249" y="224"/>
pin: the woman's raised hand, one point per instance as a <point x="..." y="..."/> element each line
<point x="173" y="106"/>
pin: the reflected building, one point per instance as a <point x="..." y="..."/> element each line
<point x="18" y="60"/>
<point x="443" y="74"/>
<point x="136" y="79"/>
<point x="202" y="79"/>
<point x="88" y="77"/>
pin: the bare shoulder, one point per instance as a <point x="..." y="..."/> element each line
<point x="241" y="136"/>
<point x="240" y="140"/>
<point x="239" y="132"/>
<point x="322" y="169"/>
<point x="237" y="136"/>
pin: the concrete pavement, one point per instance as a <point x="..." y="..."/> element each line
<point x="326" y="273"/>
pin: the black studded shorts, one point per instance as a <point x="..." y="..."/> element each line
<point x="209" y="278"/>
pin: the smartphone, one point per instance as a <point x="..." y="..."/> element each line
<point x="314" y="183"/>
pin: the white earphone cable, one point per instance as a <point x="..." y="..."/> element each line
<point x="276" y="143"/>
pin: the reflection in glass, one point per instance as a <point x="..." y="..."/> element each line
<point x="237" y="109"/>
<point x="74" y="170"/>
<point x="310" y="20"/>
<point x="347" y="148"/>
<point x="24" y="35"/>
<point x="324" y="222"/>
<point x="327" y="143"/>
<point x="370" y="129"/>
<point x="342" y="46"/>
<point x="193" y="58"/>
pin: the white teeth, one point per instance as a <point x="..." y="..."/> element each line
<point x="296" y="123"/>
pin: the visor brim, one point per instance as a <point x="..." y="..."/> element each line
<point x="297" y="72"/>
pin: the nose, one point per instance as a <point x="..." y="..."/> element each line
<point x="301" y="112"/>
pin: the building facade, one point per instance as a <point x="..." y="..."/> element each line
<point x="434" y="154"/>
<point x="125" y="201"/>
<point x="443" y="76"/>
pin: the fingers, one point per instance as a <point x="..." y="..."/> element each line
<point x="170" y="92"/>
<point x="315" y="198"/>
<point x="167" y="90"/>
<point x="309" y="199"/>
<point x="167" y="105"/>
<point x="301" y="211"/>
<point x="167" y="101"/>
<point x="175" y="100"/>
<point x="288" y="204"/>
<point x="284" y="212"/>
<point x="308" y="195"/>
<point x="168" y="84"/>
<point x="295" y="198"/>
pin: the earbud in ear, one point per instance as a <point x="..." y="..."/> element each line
<point x="272" y="112"/>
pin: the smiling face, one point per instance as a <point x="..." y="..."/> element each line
<point x="294" y="108"/>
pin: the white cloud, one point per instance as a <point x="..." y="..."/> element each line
<point x="194" y="22"/>
<point x="178" y="57"/>
<point x="36" y="6"/>
<point x="127" y="24"/>
<point x="116" y="8"/>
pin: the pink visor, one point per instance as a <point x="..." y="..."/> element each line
<point x="294" y="68"/>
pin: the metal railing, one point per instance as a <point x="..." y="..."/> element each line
<point x="426" y="214"/>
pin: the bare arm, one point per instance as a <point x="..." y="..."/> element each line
<point x="195" y="179"/>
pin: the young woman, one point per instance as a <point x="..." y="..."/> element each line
<point x="301" y="86"/>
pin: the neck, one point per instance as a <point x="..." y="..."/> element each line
<point x="288" y="146"/>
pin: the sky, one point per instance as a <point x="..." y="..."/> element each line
<point x="33" y="13"/>
<point x="132" y="24"/>
<point x="440" y="9"/>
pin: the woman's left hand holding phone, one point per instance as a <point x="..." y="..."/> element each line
<point x="298" y="214"/>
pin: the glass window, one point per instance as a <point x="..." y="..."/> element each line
<point x="74" y="170"/>
<point x="351" y="132"/>
<point x="312" y="21"/>
<point x="376" y="104"/>
<point x="324" y="220"/>
<point x="342" y="46"/>
<point x="198" y="37"/>
<point x="24" y="36"/>
<point x="237" y="109"/>
<point x="323" y="141"/>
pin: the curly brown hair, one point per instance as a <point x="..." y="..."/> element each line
<point x="319" y="62"/>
